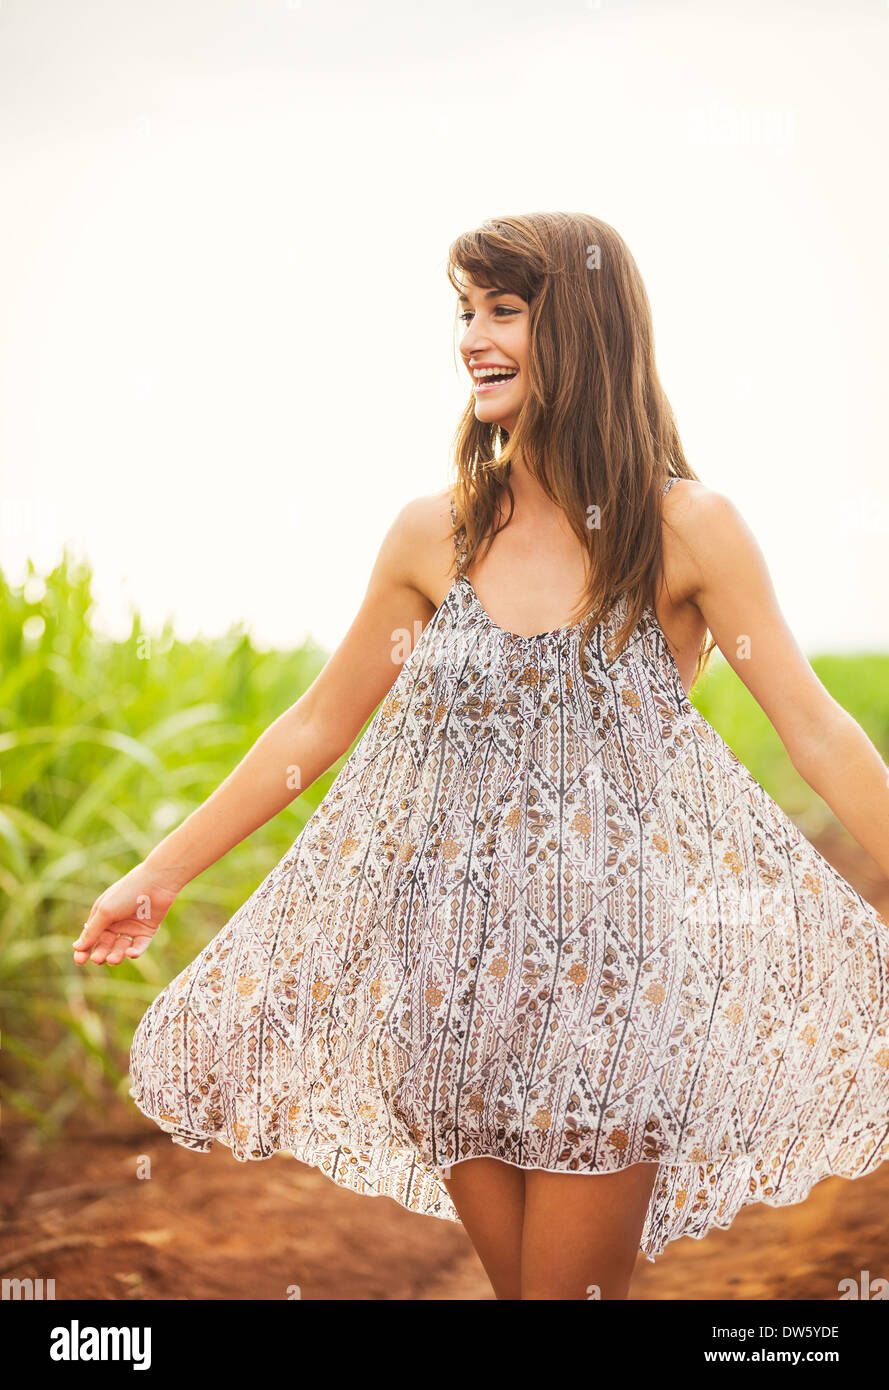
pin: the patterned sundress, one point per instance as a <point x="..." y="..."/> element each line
<point x="543" y="914"/>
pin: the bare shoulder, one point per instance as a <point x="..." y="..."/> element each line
<point x="420" y="544"/>
<point x="400" y="599"/>
<point x="426" y="518"/>
<point x="730" y="585"/>
<point x="705" y="536"/>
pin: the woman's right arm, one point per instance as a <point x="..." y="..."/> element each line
<point x="300" y="745"/>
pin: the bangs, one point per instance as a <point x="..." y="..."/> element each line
<point x="493" y="259"/>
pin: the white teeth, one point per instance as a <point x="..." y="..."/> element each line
<point x="480" y="373"/>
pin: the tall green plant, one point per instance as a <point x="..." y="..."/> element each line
<point x="104" y="747"/>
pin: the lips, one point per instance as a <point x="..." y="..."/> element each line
<point x="494" y="383"/>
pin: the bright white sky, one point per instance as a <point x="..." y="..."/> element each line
<point x="226" y="350"/>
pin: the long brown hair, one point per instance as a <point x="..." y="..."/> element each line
<point x="596" y="429"/>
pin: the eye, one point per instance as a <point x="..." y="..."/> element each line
<point x="500" y="308"/>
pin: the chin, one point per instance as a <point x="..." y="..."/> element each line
<point x="506" y="422"/>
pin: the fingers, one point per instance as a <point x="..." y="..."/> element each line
<point x="111" y="948"/>
<point x="106" y="943"/>
<point x="117" y="951"/>
<point x="81" y="949"/>
<point x="93" y="928"/>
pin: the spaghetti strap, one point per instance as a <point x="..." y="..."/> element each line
<point x="670" y="482"/>
<point x="458" y="542"/>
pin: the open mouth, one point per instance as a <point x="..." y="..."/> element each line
<point x="492" y="382"/>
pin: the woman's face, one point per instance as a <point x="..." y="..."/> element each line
<point x="496" y="332"/>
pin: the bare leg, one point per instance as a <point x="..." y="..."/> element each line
<point x="489" y="1197"/>
<point x="581" y="1230"/>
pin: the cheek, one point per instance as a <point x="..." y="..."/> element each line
<point x="519" y="352"/>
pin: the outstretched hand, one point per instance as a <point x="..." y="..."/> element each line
<point x="123" y="919"/>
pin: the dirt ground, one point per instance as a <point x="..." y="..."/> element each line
<point x="204" y="1226"/>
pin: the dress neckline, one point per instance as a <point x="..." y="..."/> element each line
<point x="563" y="631"/>
<point x="567" y="629"/>
<point x="555" y="632"/>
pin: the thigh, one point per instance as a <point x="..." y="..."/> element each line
<point x="582" y="1231"/>
<point x="489" y="1197"/>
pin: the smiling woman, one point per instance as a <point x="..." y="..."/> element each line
<point x="557" y="301"/>
<point x="490" y="375"/>
<point x="546" y="959"/>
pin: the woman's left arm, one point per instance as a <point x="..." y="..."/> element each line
<point x="734" y="593"/>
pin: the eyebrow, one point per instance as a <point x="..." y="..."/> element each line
<point x="489" y="294"/>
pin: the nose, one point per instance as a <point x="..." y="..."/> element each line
<point x="474" y="344"/>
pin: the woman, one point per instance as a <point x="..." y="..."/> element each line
<point x="546" y="959"/>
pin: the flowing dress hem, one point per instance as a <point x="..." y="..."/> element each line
<point x="655" y="1227"/>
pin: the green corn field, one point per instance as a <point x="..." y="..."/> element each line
<point x="106" y="746"/>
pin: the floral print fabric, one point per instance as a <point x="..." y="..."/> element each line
<point x="543" y="914"/>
